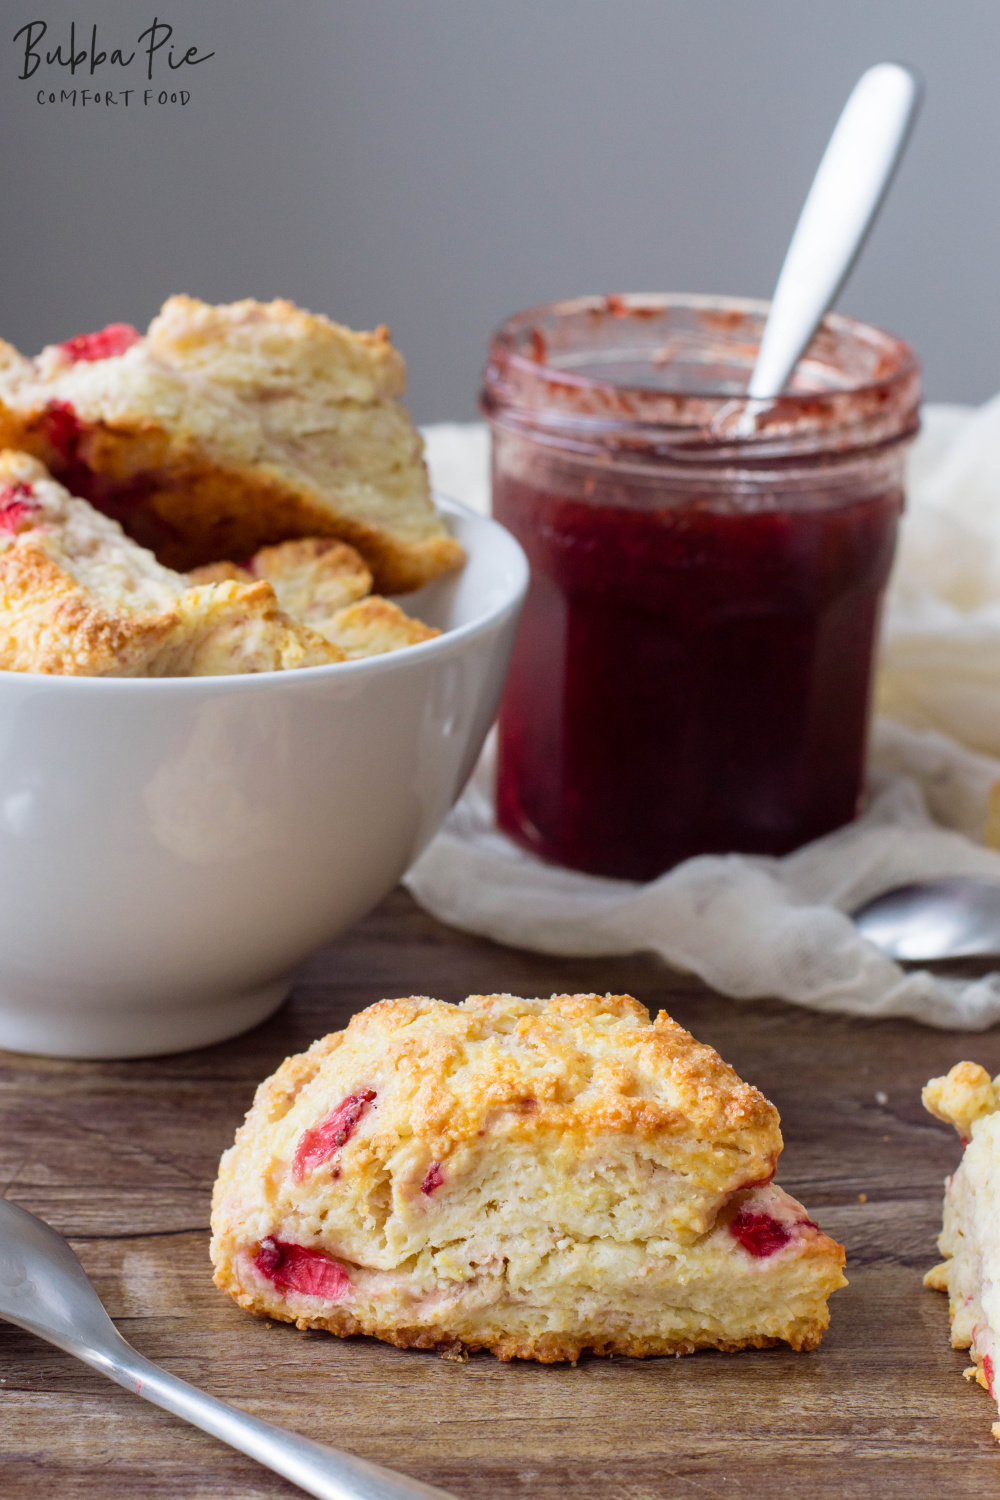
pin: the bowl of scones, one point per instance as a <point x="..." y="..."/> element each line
<point x="247" y="663"/>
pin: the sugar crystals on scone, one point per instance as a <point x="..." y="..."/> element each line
<point x="229" y="428"/>
<point x="970" y="1236"/>
<point x="79" y="598"/>
<point x="533" y="1177"/>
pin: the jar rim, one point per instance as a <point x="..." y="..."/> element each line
<point x="857" y="386"/>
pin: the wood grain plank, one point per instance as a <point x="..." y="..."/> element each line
<point x="121" y="1157"/>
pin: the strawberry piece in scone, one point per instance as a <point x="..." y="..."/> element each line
<point x="533" y="1177"/>
<point x="223" y="430"/>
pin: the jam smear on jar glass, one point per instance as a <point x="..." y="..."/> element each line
<point x="693" y="668"/>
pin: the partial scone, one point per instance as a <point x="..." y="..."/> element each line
<point x="313" y="577"/>
<point x="970" y="1235"/>
<point x="323" y="584"/>
<point x="533" y="1177"/>
<point x="229" y="428"/>
<point x="373" y="626"/>
<point x="78" y="598"/>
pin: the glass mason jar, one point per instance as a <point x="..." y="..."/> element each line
<point x="693" y="668"/>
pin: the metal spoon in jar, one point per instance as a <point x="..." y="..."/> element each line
<point x="44" y="1288"/>
<point x="934" y="919"/>
<point x="849" y="187"/>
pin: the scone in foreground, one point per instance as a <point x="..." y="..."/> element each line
<point x="533" y="1177"/>
<point x="970" y="1235"/>
<point x="229" y="428"/>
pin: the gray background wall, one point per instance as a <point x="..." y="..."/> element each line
<point x="435" y="164"/>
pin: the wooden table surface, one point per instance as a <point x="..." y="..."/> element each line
<point x="121" y="1158"/>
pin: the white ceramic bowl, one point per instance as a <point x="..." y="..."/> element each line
<point x="171" y="849"/>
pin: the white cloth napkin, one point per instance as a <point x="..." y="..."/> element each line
<point x="754" y="927"/>
<point x="940" y="666"/>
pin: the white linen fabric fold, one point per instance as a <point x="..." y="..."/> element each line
<point x="940" y="659"/>
<point x="755" y="927"/>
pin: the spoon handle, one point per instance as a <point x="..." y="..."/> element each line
<point x="315" y="1468"/>
<point x="846" y="193"/>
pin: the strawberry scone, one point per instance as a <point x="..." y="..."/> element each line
<point x="78" y="598"/>
<point x="324" y="585"/>
<point x="225" y="429"/>
<point x="970" y="1236"/>
<point x="533" y="1177"/>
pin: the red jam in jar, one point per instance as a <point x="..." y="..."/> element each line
<point x="693" y="668"/>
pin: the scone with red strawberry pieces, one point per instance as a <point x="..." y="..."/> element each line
<point x="225" y="429"/>
<point x="533" y="1177"/>
<point x="79" y="598"/>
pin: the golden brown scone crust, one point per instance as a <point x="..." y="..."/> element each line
<point x="220" y="572"/>
<point x="48" y="624"/>
<point x="78" y="598"/>
<point x="322" y="584"/>
<point x="373" y="626"/>
<point x="235" y="341"/>
<point x="234" y="627"/>
<point x="313" y="577"/>
<point x="532" y="1177"/>
<point x="231" y="428"/>
<point x="963" y="1095"/>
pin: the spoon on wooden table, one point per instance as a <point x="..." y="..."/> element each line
<point x="44" y="1289"/>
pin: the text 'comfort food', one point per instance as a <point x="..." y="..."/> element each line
<point x="533" y="1177"/>
<point x="970" y="1235"/>
<point x="227" y="429"/>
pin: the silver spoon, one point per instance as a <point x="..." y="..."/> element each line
<point x="849" y="187"/>
<point x="44" y="1288"/>
<point x="935" y="919"/>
